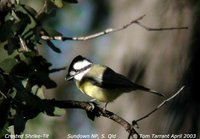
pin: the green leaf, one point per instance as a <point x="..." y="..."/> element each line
<point x="71" y="1"/>
<point x="3" y="132"/>
<point x="39" y="63"/>
<point x="58" y="3"/>
<point x="91" y="115"/>
<point x="6" y="31"/>
<point x="26" y="56"/>
<point x="19" y="122"/>
<point x="45" y="15"/>
<point x="21" y="69"/>
<point x="8" y="64"/>
<point x="20" y="26"/>
<point x="4" y="86"/>
<point x="31" y="10"/>
<point x="4" y="110"/>
<point x="12" y="45"/>
<point x="32" y="107"/>
<point x="42" y="78"/>
<point x="53" y="47"/>
<point x="2" y="82"/>
<point x="49" y="110"/>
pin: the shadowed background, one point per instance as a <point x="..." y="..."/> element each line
<point x="162" y="60"/>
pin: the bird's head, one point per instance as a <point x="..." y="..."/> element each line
<point x="78" y="68"/>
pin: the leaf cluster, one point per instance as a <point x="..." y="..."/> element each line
<point x="24" y="71"/>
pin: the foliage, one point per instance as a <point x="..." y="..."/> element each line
<point x="24" y="71"/>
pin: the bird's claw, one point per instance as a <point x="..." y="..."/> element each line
<point x="92" y="105"/>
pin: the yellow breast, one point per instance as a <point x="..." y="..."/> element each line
<point x="100" y="94"/>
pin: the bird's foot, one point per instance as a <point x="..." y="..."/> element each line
<point x="92" y="105"/>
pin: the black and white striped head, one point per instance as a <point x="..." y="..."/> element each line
<point x="78" y="68"/>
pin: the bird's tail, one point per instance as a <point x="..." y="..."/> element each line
<point x="139" y="87"/>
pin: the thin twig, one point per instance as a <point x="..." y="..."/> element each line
<point x="57" y="69"/>
<point x="159" y="106"/>
<point x="159" y="29"/>
<point x="3" y="95"/>
<point x="83" y="38"/>
<point x="110" y="30"/>
<point x="23" y="45"/>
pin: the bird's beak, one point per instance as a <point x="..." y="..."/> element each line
<point x="68" y="77"/>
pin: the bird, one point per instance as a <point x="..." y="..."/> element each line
<point x="100" y="82"/>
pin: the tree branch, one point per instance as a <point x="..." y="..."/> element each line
<point x="96" y="111"/>
<point x="108" y="31"/>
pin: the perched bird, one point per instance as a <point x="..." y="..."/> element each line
<point x="100" y="82"/>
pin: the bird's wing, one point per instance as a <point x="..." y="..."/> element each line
<point x="113" y="80"/>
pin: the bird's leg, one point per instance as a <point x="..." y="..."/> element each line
<point x="104" y="108"/>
